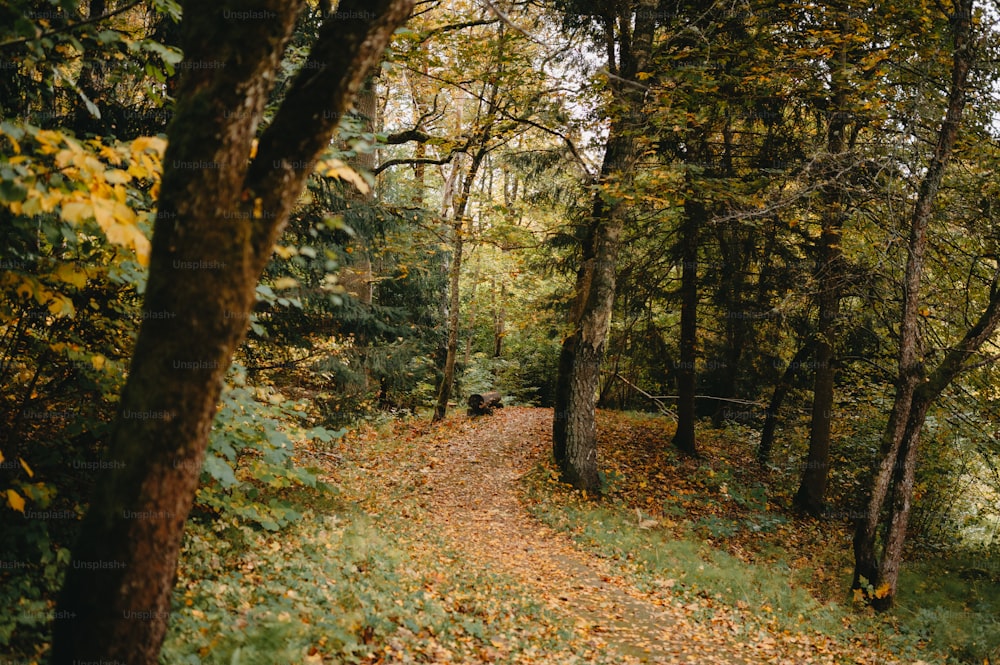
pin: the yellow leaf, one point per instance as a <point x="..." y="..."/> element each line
<point x="64" y="158"/>
<point x="859" y="596"/>
<point x="284" y="252"/>
<point x="13" y="143"/>
<point x="286" y="283"/>
<point x="334" y="168"/>
<point x="98" y="361"/>
<point x="125" y="235"/>
<point x="104" y="213"/>
<point x="26" y="288"/>
<point x="61" y="306"/>
<point x="1" y="457"/>
<point x="75" y="212"/>
<point x="149" y="144"/>
<point x="27" y="469"/>
<point x="15" y="501"/>
<point x="71" y="275"/>
<point x="123" y="213"/>
<point x="31" y="206"/>
<point x="882" y="591"/>
<point x="116" y="176"/>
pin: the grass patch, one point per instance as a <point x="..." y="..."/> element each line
<point x="715" y="528"/>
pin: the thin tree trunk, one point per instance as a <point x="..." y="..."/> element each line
<point x="914" y="390"/>
<point x="777" y="398"/>
<point x="812" y="488"/>
<point x="454" y="281"/>
<point x="811" y="494"/>
<point x="454" y="301"/>
<point x="694" y="219"/>
<point x="203" y="268"/>
<point x="499" y="318"/>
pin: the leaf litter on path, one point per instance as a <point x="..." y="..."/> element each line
<point x="460" y="480"/>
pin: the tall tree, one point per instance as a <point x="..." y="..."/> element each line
<point x="484" y="123"/>
<point x="628" y="29"/>
<point x="220" y="211"/>
<point x="695" y="216"/>
<point x="881" y="532"/>
<point x="829" y="271"/>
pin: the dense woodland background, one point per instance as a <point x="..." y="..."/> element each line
<point x="773" y="221"/>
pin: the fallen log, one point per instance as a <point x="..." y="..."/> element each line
<point x="481" y="405"/>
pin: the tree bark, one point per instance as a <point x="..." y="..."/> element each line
<point x="915" y="391"/>
<point x="694" y="218"/>
<point x="828" y="275"/>
<point x="219" y="215"/>
<point x="574" y="433"/>
<point x="488" y="116"/>
<point x="810" y="497"/>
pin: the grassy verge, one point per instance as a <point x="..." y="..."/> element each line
<point x="707" y="528"/>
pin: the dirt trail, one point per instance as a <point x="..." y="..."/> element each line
<point x="472" y="495"/>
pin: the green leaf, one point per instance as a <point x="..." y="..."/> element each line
<point x="220" y="470"/>
<point x="12" y="192"/>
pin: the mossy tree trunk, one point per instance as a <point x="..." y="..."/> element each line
<point x="219" y="215"/>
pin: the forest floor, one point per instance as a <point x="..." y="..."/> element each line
<point x="455" y="542"/>
<point x="476" y="484"/>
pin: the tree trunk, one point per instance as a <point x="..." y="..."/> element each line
<point x="828" y="275"/>
<point x="812" y="488"/>
<point x="454" y="277"/>
<point x="915" y="391"/>
<point x="499" y="318"/>
<point x="454" y="301"/>
<point x="574" y="435"/>
<point x="694" y="219"/>
<point x="219" y="215"/>
<point x="777" y="398"/>
<point x="484" y="404"/>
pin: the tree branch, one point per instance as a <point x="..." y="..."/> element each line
<point x="73" y="26"/>
<point x="421" y="160"/>
<point x="408" y="135"/>
<point x="319" y="96"/>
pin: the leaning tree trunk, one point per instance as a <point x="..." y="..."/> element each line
<point x="777" y="399"/>
<point x="915" y="390"/>
<point x="219" y="215"/>
<point x="574" y="431"/>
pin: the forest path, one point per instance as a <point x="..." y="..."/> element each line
<point x="473" y="497"/>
